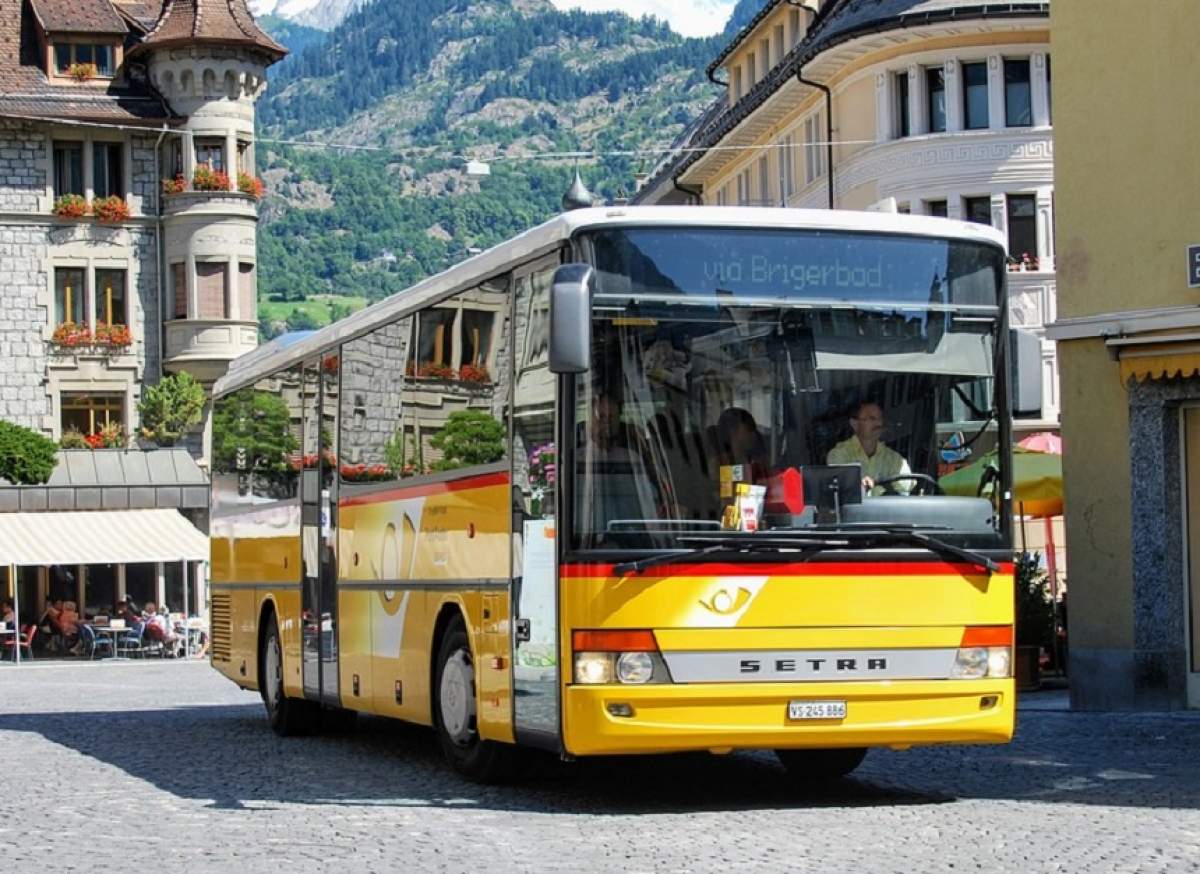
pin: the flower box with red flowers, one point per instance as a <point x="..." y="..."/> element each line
<point x="110" y="210"/>
<point x="71" y="336"/>
<point x="436" y="371"/>
<point x="366" y="473"/>
<point x="207" y="179"/>
<point x="474" y="373"/>
<point x="71" y="206"/>
<point x="177" y="185"/>
<point x="112" y="336"/>
<point x="251" y="185"/>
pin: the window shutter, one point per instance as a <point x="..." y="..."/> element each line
<point x="247" y="283"/>
<point x="179" y="283"/>
<point x="210" y="289"/>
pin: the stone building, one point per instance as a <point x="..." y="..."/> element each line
<point x="127" y="231"/>
<point x="1128" y="333"/>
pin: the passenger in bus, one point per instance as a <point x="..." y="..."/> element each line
<point x="739" y="442"/>
<point x="866" y="447"/>
<point x="615" y="485"/>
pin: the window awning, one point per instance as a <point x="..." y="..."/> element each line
<point x="1162" y="361"/>
<point x="99" y="537"/>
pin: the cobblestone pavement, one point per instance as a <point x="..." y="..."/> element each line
<point x="170" y="767"/>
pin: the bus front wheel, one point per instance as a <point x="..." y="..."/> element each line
<point x="454" y="713"/>
<point x="824" y="764"/>
<point x="287" y="716"/>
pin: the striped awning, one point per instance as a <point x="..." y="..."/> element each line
<point x="99" y="537"/>
<point x="1161" y="361"/>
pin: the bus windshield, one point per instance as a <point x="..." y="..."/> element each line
<point x="832" y="377"/>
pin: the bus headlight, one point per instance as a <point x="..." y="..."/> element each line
<point x="592" y="668"/>
<point x="635" y="667"/>
<point x="978" y="662"/>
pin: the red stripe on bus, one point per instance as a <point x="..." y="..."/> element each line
<point x="481" y="481"/>
<point x="783" y="569"/>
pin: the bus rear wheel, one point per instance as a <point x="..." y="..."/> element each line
<point x="288" y="717"/>
<point x="455" y="709"/>
<point x="821" y="764"/>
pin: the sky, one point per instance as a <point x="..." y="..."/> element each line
<point x="697" y="18"/>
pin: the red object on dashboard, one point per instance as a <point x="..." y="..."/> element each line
<point x="785" y="493"/>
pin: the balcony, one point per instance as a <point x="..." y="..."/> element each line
<point x="204" y="347"/>
<point x="203" y="203"/>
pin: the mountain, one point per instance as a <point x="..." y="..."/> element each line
<point x="317" y="14"/>
<point x="415" y="91"/>
<point x="743" y="13"/>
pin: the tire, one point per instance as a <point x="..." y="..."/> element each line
<point x="288" y="717"/>
<point x="821" y="764"/>
<point x="454" y="713"/>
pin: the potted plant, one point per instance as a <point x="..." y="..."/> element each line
<point x="82" y="72"/>
<point x="112" y="436"/>
<point x="207" y="179"/>
<point x="251" y="185"/>
<point x="1035" y="620"/>
<point x="110" y="210"/>
<point x="71" y="206"/>
<point x="73" y="438"/>
<point x="176" y="185"/>
<point x="112" y="336"/>
<point x="474" y="373"/>
<point x="71" y="336"/>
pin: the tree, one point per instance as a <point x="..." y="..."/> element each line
<point x="469" y="437"/>
<point x="300" y="320"/>
<point x="252" y="434"/>
<point x="26" y="457"/>
<point x="170" y="408"/>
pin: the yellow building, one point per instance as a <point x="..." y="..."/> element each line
<point x="937" y="107"/>
<point x="1128" y="337"/>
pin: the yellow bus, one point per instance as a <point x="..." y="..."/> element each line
<point x="640" y="480"/>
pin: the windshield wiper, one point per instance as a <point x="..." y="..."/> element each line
<point x="732" y="542"/>
<point x="933" y="544"/>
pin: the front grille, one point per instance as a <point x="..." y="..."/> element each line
<point x="221" y="628"/>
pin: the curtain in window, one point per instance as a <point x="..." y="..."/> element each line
<point x="179" y="287"/>
<point x="107" y="170"/>
<point x="68" y="169"/>
<point x="111" y="300"/>
<point x="68" y="295"/>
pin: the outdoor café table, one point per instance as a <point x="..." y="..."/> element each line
<point x="111" y="632"/>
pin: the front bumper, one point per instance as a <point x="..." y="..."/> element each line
<point x="679" y="717"/>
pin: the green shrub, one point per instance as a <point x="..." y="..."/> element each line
<point x="469" y="437"/>
<point x="26" y="457"/>
<point x="169" y="408"/>
<point x="1035" y="612"/>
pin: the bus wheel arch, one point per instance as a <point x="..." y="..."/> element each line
<point x="286" y="716"/>
<point x="452" y="675"/>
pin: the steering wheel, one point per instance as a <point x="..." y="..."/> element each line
<point x="925" y="484"/>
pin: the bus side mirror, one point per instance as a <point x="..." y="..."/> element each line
<point x="1025" y="372"/>
<point x="571" y="319"/>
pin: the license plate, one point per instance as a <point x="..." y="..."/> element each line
<point x="816" y="710"/>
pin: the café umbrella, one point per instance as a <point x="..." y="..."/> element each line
<point x="1036" y="481"/>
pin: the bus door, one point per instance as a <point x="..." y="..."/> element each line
<point x="536" y="660"/>
<point x="318" y="480"/>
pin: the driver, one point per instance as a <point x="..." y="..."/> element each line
<point x="878" y="461"/>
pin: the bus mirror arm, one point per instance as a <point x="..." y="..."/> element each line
<point x="571" y="319"/>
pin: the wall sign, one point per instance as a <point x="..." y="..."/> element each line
<point x="1193" y="255"/>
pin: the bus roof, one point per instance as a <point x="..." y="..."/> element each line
<point x="546" y="237"/>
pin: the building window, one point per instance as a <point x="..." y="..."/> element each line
<point x="975" y="96"/>
<point x="108" y="170"/>
<point x="1022" y="227"/>
<point x="111" y="297"/>
<point x="764" y="52"/>
<point x="903" y="208"/>
<point x="735" y="83"/>
<point x="89" y="413"/>
<point x="938" y="208"/>
<point x="210" y="289"/>
<point x="1018" y="105"/>
<point x="247" y="292"/>
<point x="245" y="157"/>
<point x="814" y="157"/>
<point x="978" y="210"/>
<point x="765" y="194"/>
<point x="1049" y="93"/>
<point x="935" y="95"/>
<point x="179" y="289"/>
<point x="68" y="295"/>
<point x="902" y="127"/>
<point x="435" y="341"/>
<point x="779" y="50"/>
<point x="68" y="168"/>
<point x="477" y="336"/>
<point x="102" y="55"/>
<point x="211" y="153"/>
<point x="752" y="67"/>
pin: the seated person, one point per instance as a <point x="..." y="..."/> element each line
<point x="68" y="625"/>
<point x="738" y="442"/>
<point x="866" y="448"/>
<point x="158" y="626"/>
<point x="7" y="615"/>
<point x="614" y="482"/>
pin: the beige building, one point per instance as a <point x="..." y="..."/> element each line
<point x="937" y="107"/>
<point x="1128" y="335"/>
